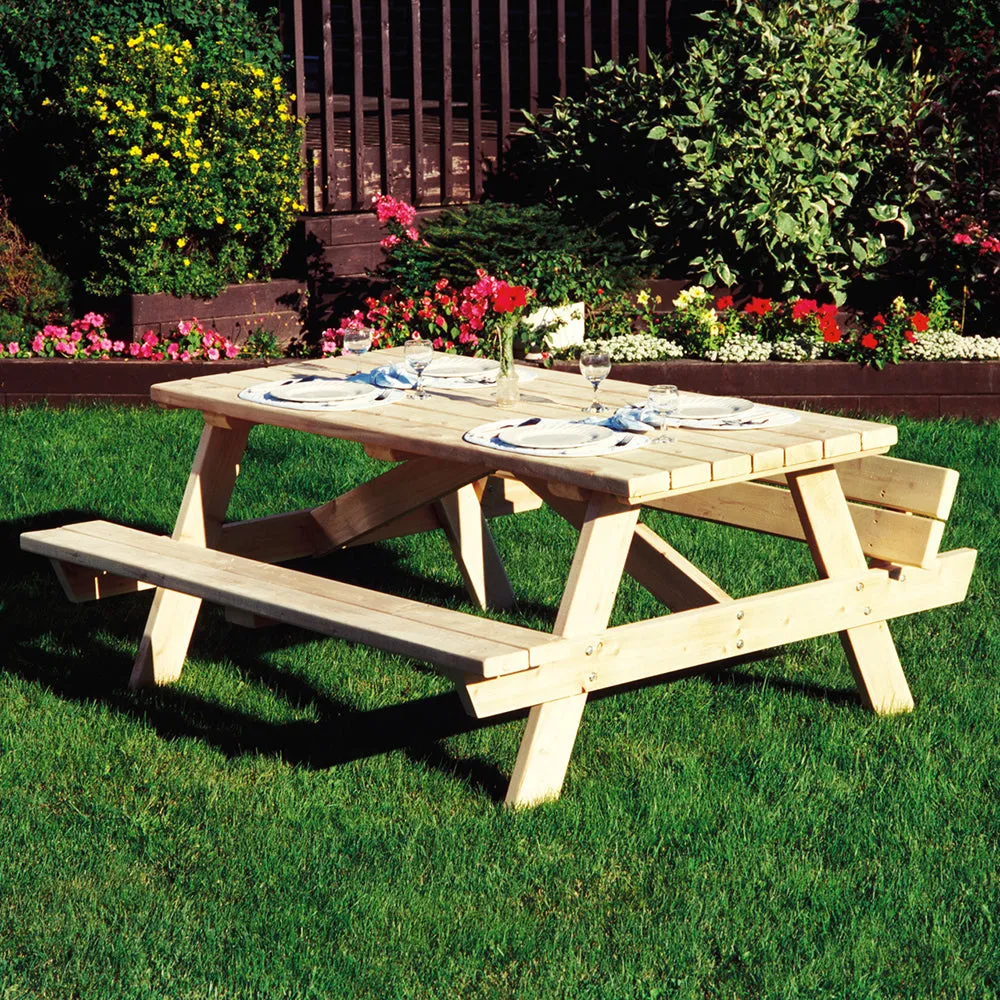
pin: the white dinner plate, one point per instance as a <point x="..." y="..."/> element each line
<point x="559" y="435"/>
<point x="456" y="366"/>
<point x="324" y="390"/>
<point x="711" y="407"/>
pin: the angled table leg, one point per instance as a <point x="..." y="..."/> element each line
<point x="605" y="538"/>
<point x="833" y="541"/>
<point x="171" y="620"/>
<point x="461" y="516"/>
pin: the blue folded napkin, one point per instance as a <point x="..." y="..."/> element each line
<point x="391" y="377"/>
<point x="625" y="418"/>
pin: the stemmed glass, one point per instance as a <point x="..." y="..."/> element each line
<point x="418" y="354"/>
<point x="595" y="367"/>
<point x="357" y="341"/>
<point x="661" y="405"/>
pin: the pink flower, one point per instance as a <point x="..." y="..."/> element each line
<point x="93" y="319"/>
<point x="105" y="344"/>
<point x="172" y="351"/>
<point x="150" y="339"/>
<point x="962" y="238"/>
<point x="388" y="241"/>
<point x="184" y="328"/>
<point x="146" y="349"/>
<point x="13" y="347"/>
<point x="213" y="354"/>
<point x="118" y="346"/>
<point x="185" y="355"/>
<point x="38" y="343"/>
<point x="134" y="350"/>
<point x="76" y="336"/>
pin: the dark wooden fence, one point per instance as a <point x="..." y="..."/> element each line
<point x="416" y="98"/>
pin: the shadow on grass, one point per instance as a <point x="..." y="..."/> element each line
<point x="74" y="651"/>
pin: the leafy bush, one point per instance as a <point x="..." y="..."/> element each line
<point x="32" y="291"/>
<point x="190" y="178"/>
<point x="778" y="152"/>
<point x="38" y="40"/>
<point x="532" y="245"/>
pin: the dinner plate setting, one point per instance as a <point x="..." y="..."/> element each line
<point x="313" y="392"/>
<point x="706" y="413"/>
<point x="447" y="371"/>
<point x="548" y="437"/>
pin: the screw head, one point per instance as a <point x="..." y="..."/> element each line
<point x="589" y="651"/>
<point x="739" y="615"/>
<point x="591" y="678"/>
<point x="739" y="643"/>
<point x="868" y="611"/>
<point x="860" y="587"/>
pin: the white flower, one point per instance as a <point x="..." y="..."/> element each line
<point x="740" y="347"/>
<point x="639" y="347"/>
<point x="946" y="345"/>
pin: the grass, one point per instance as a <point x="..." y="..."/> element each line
<point x="300" y="818"/>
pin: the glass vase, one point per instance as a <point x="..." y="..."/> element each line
<point x="508" y="389"/>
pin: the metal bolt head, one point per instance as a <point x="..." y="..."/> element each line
<point x="591" y="678"/>
<point x="739" y="643"/>
<point x="860" y="587"/>
<point x="739" y="615"/>
<point x="868" y="611"/>
<point x="589" y="651"/>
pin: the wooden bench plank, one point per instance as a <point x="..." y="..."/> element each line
<point x="452" y="639"/>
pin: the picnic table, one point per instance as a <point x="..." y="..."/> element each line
<point x="873" y="525"/>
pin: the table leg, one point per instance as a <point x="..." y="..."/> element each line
<point x="598" y="564"/>
<point x="461" y="516"/>
<point x="172" y="616"/>
<point x="833" y="541"/>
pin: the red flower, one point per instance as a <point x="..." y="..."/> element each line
<point x="832" y="334"/>
<point x="879" y="321"/>
<point x="910" y="336"/>
<point x="803" y="307"/>
<point x="962" y="238"/>
<point x="869" y="340"/>
<point x="920" y="321"/>
<point x="510" y="297"/>
<point x="758" y="307"/>
<point x="726" y="302"/>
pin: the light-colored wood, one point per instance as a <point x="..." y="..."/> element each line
<point x="507" y="496"/>
<point x="589" y="597"/>
<point x="442" y="636"/>
<point x="80" y="584"/>
<point x="400" y="490"/>
<point x="167" y="635"/>
<point x="928" y="490"/>
<point x="836" y="551"/>
<point x="277" y="538"/>
<point x="710" y="636"/>
<point x="546" y="747"/>
<point x="671" y="578"/>
<point x="474" y="549"/>
<point x="248" y="619"/>
<point x="884" y="534"/>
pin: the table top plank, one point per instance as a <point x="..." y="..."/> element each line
<point x="435" y="427"/>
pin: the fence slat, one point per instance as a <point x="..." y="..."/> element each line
<point x="385" y="101"/>
<point x="588" y="34"/>
<point x="533" y="56"/>
<point x="615" y="30"/>
<point x="298" y="43"/>
<point x="668" y="38"/>
<point x="416" y="106"/>
<point x="503" y="113"/>
<point x="328" y="195"/>
<point x="641" y="43"/>
<point x="561" y="45"/>
<point x="447" y="108"/>
<point x="357" y="114"/>
<point x="476" y="106"/>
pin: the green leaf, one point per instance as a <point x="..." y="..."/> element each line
<point x="657" y="132"/>
<point x="786" y="224"/>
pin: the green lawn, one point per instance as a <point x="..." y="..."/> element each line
<point x="299" y="818"/>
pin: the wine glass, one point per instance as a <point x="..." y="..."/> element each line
<point x="418" y="354"/>
<point x="595" y="367"/>
<point x="661" y="405"/>
<point x="357" y="341"/>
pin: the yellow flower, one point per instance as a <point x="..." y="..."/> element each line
<point x="181" y="242"/>
<point x="187" y="262"/>
<point x="219" y="219"/>
<point x="254" y="153"/>
<point x="135" y="151"/>
<point x="643" y="297"/>
<point x="95" y="38"/>
<point x="205" y="85"/>
<point x="157" y="126"/>
<point x="46" y="102"/>
<point x="151" y="158"/>
<point x="183" y="100"/>
<point x="152" y="227"/>
<point x="113" y="171"/>
<point x="195" y="167"/>
<point x="178" y="60"/>
<point x="238" y="226"/>
<point x="258" y="93"/>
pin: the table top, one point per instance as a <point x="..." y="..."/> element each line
<point x="697" y="460"/>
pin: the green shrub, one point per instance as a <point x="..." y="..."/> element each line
<point x="531" y="245"/>
<point x="190" y="179"/>
<point x="39" y="39"/>
<point x="778" y="152"/>
<point x="32" y="291"/>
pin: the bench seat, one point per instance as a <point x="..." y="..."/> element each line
<point x="453" y="640"/>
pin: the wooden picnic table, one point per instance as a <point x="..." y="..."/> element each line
<point x="872" y="523"/>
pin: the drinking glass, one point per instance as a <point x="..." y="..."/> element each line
<point x="661" y="406"/>
<point x="357" y="341"/>
<point x="595" y="367"/>
<point x="418" y="354"/>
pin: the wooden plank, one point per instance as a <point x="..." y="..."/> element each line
<point x="533" y="56"/>
<point x="615" y="31"/>
<point x="641" y="42"/>
<point x="475" y="552"/>
<point x="476" y="151"/>
<point x="416" y="106"/>
<point x="172" y="617"/>
<point x="81" y="584"/>
<point x="453" y="639"/>
<point x="836" y="551"/>
<point x="561" y="46"/>
<point x="667" y="575"/>
<point x="503" y="105"/>
<point x="327" y="137"/>
<point x="710" y="635"/>
<point x="897" y="483"/>
<point x="298" y="42"/>
<point x="588" y="34"/>
<point x="884" y="534"/>
<point x="385" y="101"/>
<point x="400" y="490"/>
<point x="447" y="110"/>
<point x="357" y="113"/>
<point x="276" y="538"/>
